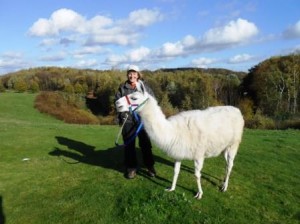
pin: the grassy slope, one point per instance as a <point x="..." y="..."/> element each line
<point x="74" y="175"/>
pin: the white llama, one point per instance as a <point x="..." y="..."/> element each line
<point x="192" y="135"/>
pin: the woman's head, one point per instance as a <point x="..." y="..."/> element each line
<point x="133" y="73"/>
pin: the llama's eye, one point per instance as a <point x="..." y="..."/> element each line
<point x="133" y="98"/>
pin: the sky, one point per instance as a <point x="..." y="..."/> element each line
<point x="230" y="34"/>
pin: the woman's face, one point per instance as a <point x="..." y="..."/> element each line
<point x="133" y="76"/>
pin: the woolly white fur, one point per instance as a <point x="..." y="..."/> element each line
<point x="192" y="135"/>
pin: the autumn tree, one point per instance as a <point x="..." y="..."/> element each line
<point x="274" y="85"/>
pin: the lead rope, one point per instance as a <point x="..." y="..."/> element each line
<point x="120" y="132"/>
<point x="131" y="137"/>
<point x="137" y="119"/>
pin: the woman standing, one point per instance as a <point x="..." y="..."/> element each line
<point x="130" y="127"/>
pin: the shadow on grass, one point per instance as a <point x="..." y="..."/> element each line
<point x="209" y="178"/>
<point x="2" y="217"/>
<point x="184" y="168"/>
<point x="112" y="158"/>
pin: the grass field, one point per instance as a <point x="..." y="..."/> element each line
<point x="51" y="172"/>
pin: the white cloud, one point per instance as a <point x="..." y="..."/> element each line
<point x="234" y="32"/>
<point x="240" y="58"/>
<point x="97" y="24"/>
<point x="189" y="41"/>
<point x="114" y="60"/>
<point x="179" y="48"/>
<point x="111" y="37"/>
<point x="12" y="61"/>
<point x="139" y="54"/>
<point x="97" y="30"/>
<point x="60" y="21"/>
<point x="144" y="17"/>
<point x="66" y="20"/>
<point x="42" y="28"/>
<point x="172" y="49"/>
<point x="202" y="62"/>
<point x="86" y="63"/>
<point x="12" y="55"/>
<point x="60" y="56"/>
<point x="66" y="41"/>
<point x="87" y="50"/>
<point x="292" y="32"/>
<point x="48" y="42"/>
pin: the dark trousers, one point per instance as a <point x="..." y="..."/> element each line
<point x="130" y="156"/>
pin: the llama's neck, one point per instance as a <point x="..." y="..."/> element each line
<point x="157" y="126"/>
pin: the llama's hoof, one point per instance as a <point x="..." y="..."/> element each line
<point x="169" y="189"/>
<point x="223" y="188"/>
<point x="198" y="195"/>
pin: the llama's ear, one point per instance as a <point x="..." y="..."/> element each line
<point x="141" y="87"/>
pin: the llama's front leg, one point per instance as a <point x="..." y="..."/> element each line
<point x="198" y="168"/>
<point x="175" y="177"/>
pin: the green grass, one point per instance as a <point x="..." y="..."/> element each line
<point x="75" y="175"/>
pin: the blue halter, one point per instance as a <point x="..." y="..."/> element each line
<point x="139" y="128"/>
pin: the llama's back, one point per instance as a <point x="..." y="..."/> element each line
<point x="208" y="132"/>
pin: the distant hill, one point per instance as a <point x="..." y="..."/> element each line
<point x="213" y="71"/>
<point x="54" y="69"/>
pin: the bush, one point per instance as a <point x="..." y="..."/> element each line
<point x="64" y="107"/>
<point x="20" y="86"/>
<point x="246" y="106"/>
<point x="291" y="123"/>
<point x="167" y="107"/>
<point x="258" y="121"/>
<point x="107" y="120"/>
<point x="2" y="88"/>
<point x="34" y="87"/>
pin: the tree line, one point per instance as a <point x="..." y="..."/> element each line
<point x="267" y="95"/>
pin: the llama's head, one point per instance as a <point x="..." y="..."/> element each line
<point x="131" y="102"/>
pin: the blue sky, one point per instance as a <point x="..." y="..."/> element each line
<point x="232" y="34"/>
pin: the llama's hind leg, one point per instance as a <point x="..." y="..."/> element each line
<point x="198" y="168"/>
<point x="229" y="155"/>
<point x="175" y="177"/>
